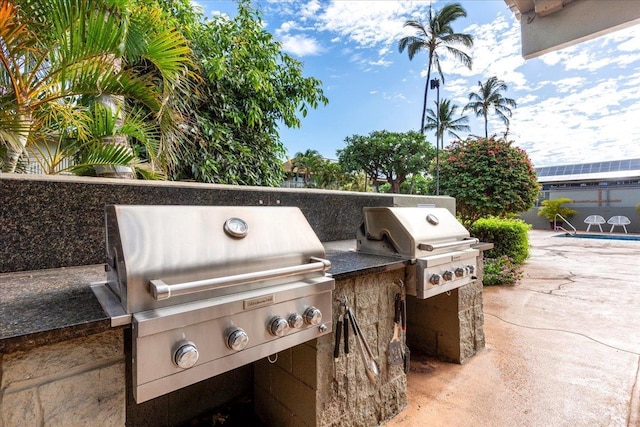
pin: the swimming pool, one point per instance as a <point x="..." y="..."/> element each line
<point x="601" y="236"/>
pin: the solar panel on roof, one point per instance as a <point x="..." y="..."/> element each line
<point x="590" y="168"/>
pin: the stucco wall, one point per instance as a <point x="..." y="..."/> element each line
<point x="603" y="201"/>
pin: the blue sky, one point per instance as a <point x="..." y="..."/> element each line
<point x="577" y="105"/>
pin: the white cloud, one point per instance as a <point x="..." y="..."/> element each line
<point x="300" y="45"/>
<point x="369" y="23"/>
<point x="569" y="84"/>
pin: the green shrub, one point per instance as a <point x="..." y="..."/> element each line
<point x="501" y="271"/>
<point x="509" y="237"/>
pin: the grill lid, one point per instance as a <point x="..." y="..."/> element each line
<point x="165" y="255"/>
<point x="409" y="232"/>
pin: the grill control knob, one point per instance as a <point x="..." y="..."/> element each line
<point x="312" y="316"/>
<point x="186" y="355"/>
<point x="435" y="279"/>
<point x="460" y="272"/>
<point x="295" y="321"/>
<point x="237" y="339"/>
<point x="447" y="275"/>
<point x="278" y="327"/>
<point x="471" y="268"/>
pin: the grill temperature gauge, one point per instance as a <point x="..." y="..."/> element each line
<point x="236" y="227"/>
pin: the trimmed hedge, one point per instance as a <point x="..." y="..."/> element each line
<point x="509" y="237"/>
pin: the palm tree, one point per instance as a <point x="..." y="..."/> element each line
<point x="446" y="122"/>
<point x="435" y="37"/>
<point x="489" y="98"/>
<point x="308" y="162"/>
<point x="56" y="52"/>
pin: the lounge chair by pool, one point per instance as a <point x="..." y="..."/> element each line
<point x="594" y="220"/>
<point x="618" y="220"/>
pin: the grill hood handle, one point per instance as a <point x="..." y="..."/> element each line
<point x="429" y="247"/>
<point x="161" y="291"/>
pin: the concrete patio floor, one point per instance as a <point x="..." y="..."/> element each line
<point x="562" y="346"/>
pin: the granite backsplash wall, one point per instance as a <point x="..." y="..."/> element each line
<point x="51" y="222"/>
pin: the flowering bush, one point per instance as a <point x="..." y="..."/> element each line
<point x="501" y="271"/>
<point x="488" y="176"/>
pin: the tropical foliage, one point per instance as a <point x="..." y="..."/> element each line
<point x="391" y="156"/>
<point x="488" y="177"/>
<point x="501" y="271"/>
<point x="509" y="237"/>
<point x="551" y="207"/>
<point x="489" y="99"/>
<point x="250" y="88"/>
<point x="307" y="163"/>
<point x="59" y="57"/>
<point x="437" y="37"/>
<point x="503" y="263"/>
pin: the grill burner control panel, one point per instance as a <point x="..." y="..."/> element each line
<point x="224" y="333"/>
<point x="439" y="274"/>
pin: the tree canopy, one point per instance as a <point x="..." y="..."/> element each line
<point x="488" y="177"/>
<point x="250" y="88"/>
<point x="392" y="156"/>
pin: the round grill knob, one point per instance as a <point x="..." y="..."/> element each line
<point x="435" y="279"/>
<point x="296" y="321"/>
<point x="237" y="340"/>
<point x="278" y="327"/>
<point x="471" y="269"/>
<point x="447" y="275"/>
<point x="186" y="355"/>
<point x="459" y="272"/>
<point x="312" y="316"/>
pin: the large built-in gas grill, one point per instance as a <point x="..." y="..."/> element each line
<point x="432" y="238"/>
<point x="213" y="288"/>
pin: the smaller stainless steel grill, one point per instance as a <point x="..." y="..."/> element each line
<point x="211" y="288"/>
<point x="432" y="238"/>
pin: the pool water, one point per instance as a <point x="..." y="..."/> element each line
<point x="601" y="236"/>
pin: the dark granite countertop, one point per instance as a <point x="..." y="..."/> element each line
<point x="347" y="263"/>
<point x="47" y="306"/>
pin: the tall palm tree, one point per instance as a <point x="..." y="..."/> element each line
<point x="54" y="52"/>
<point x="435" y="37"/>
<point x="445" y="121"/>
<point x="489" y="98"/>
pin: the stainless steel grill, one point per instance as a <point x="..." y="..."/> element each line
<point x="432" y="238"/>
<point x="210" y="288"/>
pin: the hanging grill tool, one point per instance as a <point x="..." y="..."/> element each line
<point x="396" y="351"/>
<point x="370" y="365"/>
<point x="342" y="326"/>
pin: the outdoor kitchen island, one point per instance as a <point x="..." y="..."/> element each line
<point x="65" y="363"/>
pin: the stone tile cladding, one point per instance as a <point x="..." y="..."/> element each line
<point x="74" y="383"/>
<point x="306" y="386"/>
